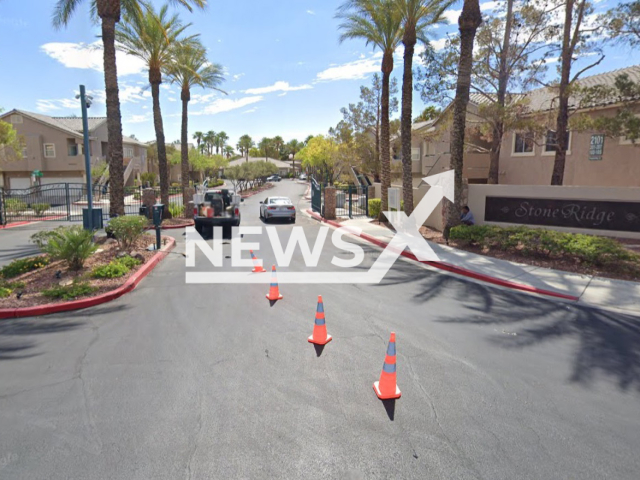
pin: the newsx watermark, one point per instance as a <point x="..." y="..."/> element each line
<point x="407" y="235"/>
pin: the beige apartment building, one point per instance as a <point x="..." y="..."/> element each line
<point x="54" y="146"/>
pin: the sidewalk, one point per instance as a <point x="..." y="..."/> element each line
<point x="588" y="290"/>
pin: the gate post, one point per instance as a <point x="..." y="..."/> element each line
<point x="2" y="215"/>
<point x="350" y="202"/>
<point x="366" y="199"/>
<point x="67" y="201"/>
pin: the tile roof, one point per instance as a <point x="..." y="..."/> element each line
<point x="277" y="163"/>
<point x="75" y="123"/>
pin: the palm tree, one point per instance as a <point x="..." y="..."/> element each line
<point x="418" y="16"/>
<point x="108" y="12"/>
<point x="378" y="23"/>
<point x="228" y="151"/>
<point x="245" y="144"/>
<point x="294" y="146"/>
<point x="265" y="146"/>
<point x="188" y="68"/>
<point x="221" y="141"/>
<point x="152" y="37"/>
<point x="470" y="20"/>
<point x="198" y="136"/>
<point x="209" y="140"/>
<point x="277" y="143"/>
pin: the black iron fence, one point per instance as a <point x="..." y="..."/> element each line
<point x="316" y="196"/>
<point x="352" y="201"/>
<point x="66" y="201"/>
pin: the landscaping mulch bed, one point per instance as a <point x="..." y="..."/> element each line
<point x="45" y="278"/>
<point x="167" y="222"/>
<point x="566" y="264"/>
<point x="253" y="191"/>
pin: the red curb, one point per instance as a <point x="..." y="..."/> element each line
<point x="129" y="285"/>
<point x="15" y="224"/>
<point x="454" y="269"/>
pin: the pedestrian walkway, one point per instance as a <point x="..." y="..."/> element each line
<point x="590" y="290"/>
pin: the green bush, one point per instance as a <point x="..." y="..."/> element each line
<point x="5" y="292"/>
<point x="15" y="205"/>
<point x="69" y="292"/>
<point x="127" y="229"/>
<point x="176" y="210"/>
<point x="129" y="262"/>
<point x="148" y="177"/>
<point x="40" y="208"/>
<point x="548" y="243"/>
<point x="137" y="195"/>
<point x="71" y="244"/>
<point x="113" y="269"/>
<point x="23" y="265"/>
<point x="375" y="207"/>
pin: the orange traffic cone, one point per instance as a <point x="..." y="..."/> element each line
<point x="320" y="335"/>
<point x="387" y="388"/>
<point x="274" y="293"/>
<point x="257" y="268"/>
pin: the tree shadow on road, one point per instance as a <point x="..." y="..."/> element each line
<point x="13" y="347"/>
<point x="607" y="343"/>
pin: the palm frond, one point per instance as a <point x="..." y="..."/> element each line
<point x="63" y="11"/>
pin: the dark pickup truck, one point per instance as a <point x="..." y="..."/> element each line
<point x="216" y="208"/>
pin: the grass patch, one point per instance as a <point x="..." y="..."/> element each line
<point x="69" y="292"/>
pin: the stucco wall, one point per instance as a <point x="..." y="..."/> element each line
<point x="479" y="193"/>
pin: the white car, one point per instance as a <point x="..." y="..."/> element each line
<point x="303" y="177"/>
<point x="277" y="207"/>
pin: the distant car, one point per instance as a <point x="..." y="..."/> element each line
<point x="303" y="176"/>
<point x="274" y="178"/>
<point x="277" y="207"/>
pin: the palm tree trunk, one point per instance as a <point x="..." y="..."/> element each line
<point x="184" y="147"/>
<point x="385" y="154"/>
<point x="557" y="177"/>
<point x="114" y="120"/>
<point x="469" y="21"/>
<point x="162" y="149"/>
<point x="409" y="42"/>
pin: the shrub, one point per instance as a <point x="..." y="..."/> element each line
<point x="175" y="184"/>
<point x="69" y="292"/>
<point x="40" y="208"/>
<point x="23" y="265"/>
<point x="113" y="269"/>
<point x="137" y="195"/>
<point x="375" y="207"/>
<point x="5" y="292"/>
<point x="128" y="229"/>
<point x="148" y="177"/>
<point x="71" y="244"/>
<point x="15" y="205"/>
<point x="129" y="262"/>
<point x="42" y="237"/>
<point x="176" y="210"/>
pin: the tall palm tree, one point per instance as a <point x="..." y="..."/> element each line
<point x="209" y="140"/>
<point x="228" y="151"/>
<point x="198" y="136"/>
<point x="221" y="141"/>
<point x="189" y="68"/>
<point x="469" y="21"/>
<point x="265" y="146"/>
<point x="418" y="17"/>
<point x="378" y="23"/>
<point x="294" y="146"/>
<point x="152" y="36"/>
<point x="108" y="12"/>
<point x="277" y="143"/>
<point x="245" y="144"/>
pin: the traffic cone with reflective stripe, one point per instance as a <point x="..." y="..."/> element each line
<point x="386" y="388"/>
<point x="320" y="336"/>
<point x="257" y="268"/>
<point x="274" y="293"/>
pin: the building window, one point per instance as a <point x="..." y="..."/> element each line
<point x="49" y="150"/>
<point x="415" y="154"/>
<point x="128" y="152"/>
<point x="522" y="144"/>
<point x="551" y="143"/>
<point x="72" y="148"/>
<point x="596" y="147"/>
<point x="15" y="119"/>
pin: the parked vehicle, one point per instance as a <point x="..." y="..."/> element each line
<point x="277" y="207"/>
<point x="303" y="176"/>
<point x="216" y="208"/>
<point x="274" y="178"/>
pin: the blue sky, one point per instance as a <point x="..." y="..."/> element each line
<point x="286" y="72"/>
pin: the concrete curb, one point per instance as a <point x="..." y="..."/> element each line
<point x="129" y="285"/>
<point x="15" y="224"/>
<point x="455" y="269"/>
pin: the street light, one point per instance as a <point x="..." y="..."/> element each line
<point x="85" y="101"/>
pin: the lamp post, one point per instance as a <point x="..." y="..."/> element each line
<point x="85" y="101"/>
<point x="292" y="159"/>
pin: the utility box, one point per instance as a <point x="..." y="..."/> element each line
<point x="96" y="218"/>
<point x="158" y="210"/>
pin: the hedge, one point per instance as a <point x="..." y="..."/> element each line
<point x="548" y="243"/>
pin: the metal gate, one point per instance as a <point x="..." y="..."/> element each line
<point x="65" y="202"/>
<point x="316" y="196"/>
<point x="352" y="201"/>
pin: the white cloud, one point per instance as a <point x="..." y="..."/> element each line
<point x="139" y="118"/>
<point x="356" y="70"/>
<point x="251" y="110"/>
<point x="452" y="16"/>
<point x="311" y="12"/>
<point x="276" y="87"/>
<point x="488" y="6"/>
<point x="172" y="99"/>
<point x="220" y="105"/>
<point x="90" y="56"/>
<point x="282" y="94"/>
<point x="439" y="44"/>
<point x="238" y="76"/>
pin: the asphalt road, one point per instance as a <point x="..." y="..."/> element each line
<point x="209" y="381"/>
